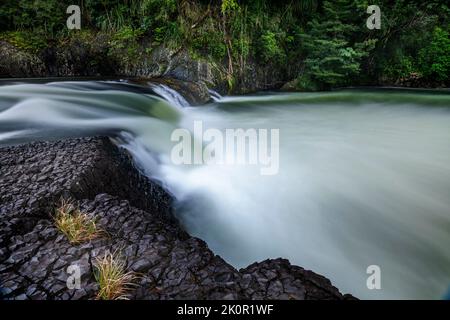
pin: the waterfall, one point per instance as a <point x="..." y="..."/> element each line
<point x="172" y="96"/>
<point x="364" y="176"/>
<point x="215" y="95"/>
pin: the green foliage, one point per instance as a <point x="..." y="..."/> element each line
<point x="43" y="16"/>
<point x="332" y="57"/>
<point x="305" y="83"/>
<point x="269" y="48"/>
<point x="152" y="18"/>
<point x="229" y="6"/>
<point x="322" y="44"/>
<point x="31" y="42"/>
<point x="402" y="67"/>
<point x="210" y="44"/>
<point x="434" y="59"/>
<point x="126" y="41"/>
<point x="407" y="29"/>
<point x="125" y="37"/>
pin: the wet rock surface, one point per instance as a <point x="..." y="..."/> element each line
<point x="135" y="214"/>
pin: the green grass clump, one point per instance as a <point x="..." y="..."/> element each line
<point x="76" y="225"/>
<point x="114" y="281"/>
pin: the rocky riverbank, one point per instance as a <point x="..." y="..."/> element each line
<point x="137" y="215"/>
<point x="97" y="58"/>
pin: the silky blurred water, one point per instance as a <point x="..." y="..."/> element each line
<point x="364" y="177"/>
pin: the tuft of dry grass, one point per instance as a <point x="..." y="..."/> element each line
<point x="77" y="226"/>
<point x="114" y="282"/>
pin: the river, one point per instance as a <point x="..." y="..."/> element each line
<point x="363" y="176"/>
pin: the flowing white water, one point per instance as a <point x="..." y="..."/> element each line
<point x="364" y="177"/>
<point x="172" y="96"/>
<point x="215" y="95"/>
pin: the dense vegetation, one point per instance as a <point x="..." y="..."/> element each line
<point x="321" y="44"/>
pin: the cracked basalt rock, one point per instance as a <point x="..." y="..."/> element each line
<point x="135" y="214"/>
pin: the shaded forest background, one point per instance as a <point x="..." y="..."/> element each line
<point x="317" y="44"/>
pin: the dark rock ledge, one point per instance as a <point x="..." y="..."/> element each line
<point x="136" y="213"/>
